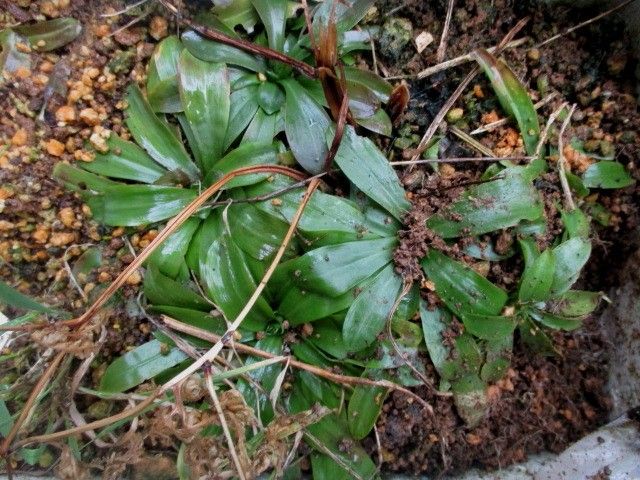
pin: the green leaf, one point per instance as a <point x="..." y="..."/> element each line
<point x="461" y="288"/>
<point x="138" y="365"/>
<point x="169" y="256"/>
<point x="537" y="278"/>
<point x="6" y="420"/>
<point x="162" y="290"/>
<point x="262" y="129"/>
<point x="300" y="306"/>
<point x="88" y="261"/>
<point x="133" y="205"/>
<point x="238" y="12"/>
<point x="490" y="206"/>
<point x="270" y="97"/>
<point x="162" y="76"/>
<point x="306" y="124"/>
<point x="469" y="395"/>
<point x="156" y="137"/>
<point x="11" y="59"/>
<point x="244" y="105"/>
<point x="13" y="298"/>
<point x="363" y="103"/>
<point x="555" y="321"/>
<point x="246" y="155"/>
<point x="347" y="13"/>
<point x="570" y="257"/>
<point x="369" y="312"/>
<point x="54" y="33"/>
<point x="408" y="333"/>
<point x="489" y="327"/>
<point x="364" y="408"/>
<point x="534" y="337"/>
<point x="375" y="177"/>
<point x="273" y="14"/>
<point x="607" y="174"/>
<point x="379" y="122"/>
<point x="196" y="318"/>
<point x="205" y="92"/>
<point x="127" y="161"/>
<point x="435" y="321"/>
<point x="229" y="283"/>
<point x="327" y="336"/>
<point x="212" y="51"/>
<point x="513" y="97"/>
<point x="379" y="86"/>
<point x="576" y="223"/>
<point x="80" y="180"/>
<point x="326" y="219"/>
<point x="334" y="269"/>
<point x="575" y="303"/>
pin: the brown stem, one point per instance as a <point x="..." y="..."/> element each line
<point x="265" y="52"/>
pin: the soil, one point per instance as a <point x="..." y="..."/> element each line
<point x="545" y="403"/>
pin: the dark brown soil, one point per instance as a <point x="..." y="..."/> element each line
<point x="545" y="403"/>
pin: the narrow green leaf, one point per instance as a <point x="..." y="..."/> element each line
<point x="54" y="33"/>
<point x="369" y="312"/>
<point x="555" y="321"/>
<point x="246" y="155"/>
<point x="212" y="51"/>
<point x="379" y="86"/>
<point x="133" y="205"/>
<point x="535" y="338"/>
<point x="379" y="122"/>
<point x="607" y="174"/>
<point x="575" y="303"/>
<point x="270" y="97"/>
<point x="127" y="161"/>
<point x="300" y="306"/>
<point x="88" y="261"/>
<point x="80" y="180"/>
<point x="461" y="288"/>
<point x="238" y="12"/>
<point x="162" y="290"/>
<point x="375" y="177"/>
<point x="244" y="105"/>
<point x="156" y="137"/>
<point x="576" y="223"/>
<point x="140" y="364"/>
<point x="363" y="103"/>
<point x="513" y="97"/>
<point x="162" y="76"/>
<point x="334" y="269"/>
<point x="13" y="298"/>
<point x="327" y="336"/>
<point x="262" y="129"/>
<point x="196" y="318"/>
<point x="489" y="327"/>
<point x="205" y="92"/>
<point x="169" y="256"/>
<point x="434" y="323"/>
<point x="347" y="12"/>
<point x="490" y="206"/>
<point x="363" y="409"/>
<point x="273" y="14"/>
<point x="570" y="257"/>
<point x="306" y="124"/>
<point x="6" y="420"/>
<point x="537" y="279"/>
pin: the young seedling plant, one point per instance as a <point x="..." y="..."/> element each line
<point x="300" y="282"/>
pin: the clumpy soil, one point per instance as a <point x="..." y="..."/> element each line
<point x="544" y="403"/>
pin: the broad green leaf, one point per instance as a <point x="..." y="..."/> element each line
<point x="210" y="229"/>
<point x="575" y="303"/>
<point x="133" y="205"/>
<point x="434" y="323"/>
<point x="127" y="161"/>
<point x="327" y="336"/>
<point x="555" y="321"/>
<point x="570" y="257"/>
<point x="379" y="122"/>
<point x="140" y="364"/>
<point x="363" y="103"/>
<point x="306" y="124"/>
<point x="469" y="353"/>
<point x="489" y="327"/>
<point x="326" y="219"/>
<point x="238" y="12"/>
<point x="364" y="408"/>
<point x="334" y="269"/>
<point x="54" y="33"/>
<point x="529" y="249"/>
<point x="380" y="87"/>
<point x="375" y="177"/>
<point x="262" y="129"/>
<point x="497" y="358"/>
<point x="461" y="288"/>
<point x="406" y="333"/>
<point x="229" y="283"/>
<point x="577" y="185"/>
<point x="11" y="59"/>
<point x="246" y="155"/>
<point x="347" y="13"/>
<point x="212" y="51"/>
<point x="156" y="137"/>
<point x="490" y="206"/>
<point x="270" y="97"/>
<point x="513" y="96"/>
<point x="169" y="256"/>
<point x="576" y="223"/>
<point x="273" y="14"/>
<point x="244" y="105"/>
<point x="537" y="278"/>
<point x="80" y="180"/>
<point x="607" y="174"/>
<point x="370" y="310"/>
<point x="13" y="298"/>
<point x="162" y="76"/>
<point x="196" y="318"/>
<point x="162" y="290"/>
<point x="469" y="395"/>
<point x="205" y="92"/>
<point x="300" y="306"/>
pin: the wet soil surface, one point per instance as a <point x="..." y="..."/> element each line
<point x="544" y="403"/>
